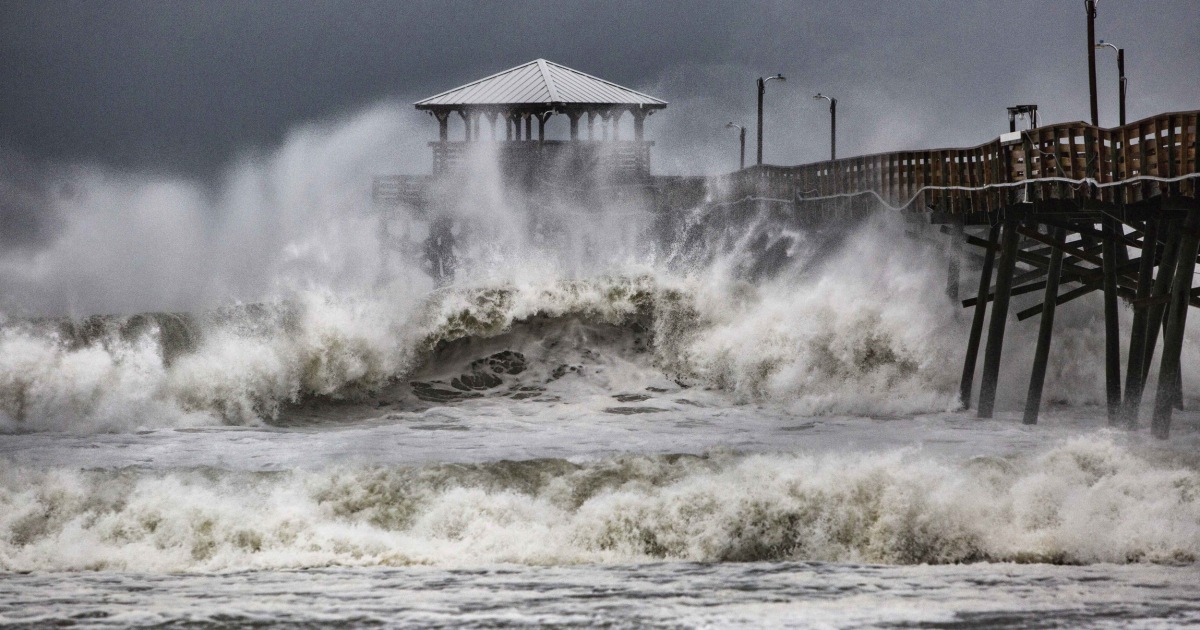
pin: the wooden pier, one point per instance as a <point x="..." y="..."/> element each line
<point x="1060" y="207"/>
<point x="1053" y="210"/>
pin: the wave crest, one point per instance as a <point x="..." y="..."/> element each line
<point x="1084" y="501"/>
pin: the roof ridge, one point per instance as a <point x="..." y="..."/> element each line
<point x="596" y="78"/>
<point x="548" y="79"/>
<point x="478" y="81"/>
<point x="539" y="82"/>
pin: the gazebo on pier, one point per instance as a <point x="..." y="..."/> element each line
<point x="538" y="90"/>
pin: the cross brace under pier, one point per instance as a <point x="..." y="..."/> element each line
<point x="1090" y="251"/>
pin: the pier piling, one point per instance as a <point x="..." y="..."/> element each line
<point x="1112" y="326"/>
<point x="981" y="301"/>
<point x="1134" y="373"/>
<point x="1037" y="378"/>
<point x="995" y="343"/>
<point x="1169" y="393"/>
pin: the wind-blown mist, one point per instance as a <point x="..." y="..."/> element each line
<point x="128" y="243"/>
<point x="285" y="293"/>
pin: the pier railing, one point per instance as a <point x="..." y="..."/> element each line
<point x="620" y="159"/>
<point x="1073" y="160"/>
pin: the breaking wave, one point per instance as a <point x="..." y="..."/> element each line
<point x="846" y="322"/>
<point x="247" y="365"/>
<point x="1087" y="500"/>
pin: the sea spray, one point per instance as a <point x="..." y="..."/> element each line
<point x="863" y="341"/>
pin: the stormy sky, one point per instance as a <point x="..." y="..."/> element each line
<point x="179" y="154"/>
<point x="186" y="86"/>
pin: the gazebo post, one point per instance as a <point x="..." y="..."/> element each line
<point x="528" y="126"/>
<point x="466" y="118"/>
<point x="574" y="116"/>
<point x="591" y="124"/>
<point x="639" y="123"/>
<point x="491" y="116"/>
<point x="616" y="124"/>
<point x="443" y="118"/>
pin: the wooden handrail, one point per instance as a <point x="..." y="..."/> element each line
<point x="1162" y="146"/>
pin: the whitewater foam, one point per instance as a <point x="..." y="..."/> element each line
<point x="1086" y="500"/>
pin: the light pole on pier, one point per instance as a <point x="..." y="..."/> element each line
<point x="832" y="124"/>
<point x="1090" y="7"/>
<point x="1120" y="71"/>
<point x="762" y="89"/>
<point x="742" y="138"/>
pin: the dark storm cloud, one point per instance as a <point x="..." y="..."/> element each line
<point x="184" y="86"/>
<point x="140" y="83"/>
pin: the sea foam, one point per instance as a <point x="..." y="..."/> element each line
<point x="1085" y="500"/>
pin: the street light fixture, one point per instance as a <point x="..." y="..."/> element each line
<point x="1120" y="71"/>
<point x="762" y="89"/>
<point x="742" y="137"/>
<point x="832" y="124"/>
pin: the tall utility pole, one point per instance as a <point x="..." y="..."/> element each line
<point x="1090" y="7"/>
<point x="762" y="89"/>
<point x="1123" y="82"/>
<point x="832" y="124"/>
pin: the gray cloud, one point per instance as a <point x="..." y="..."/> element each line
<point x="187" y="86"/>
<point x="27" y="214"/>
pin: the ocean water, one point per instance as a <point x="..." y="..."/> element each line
<point x="722" y="418"/>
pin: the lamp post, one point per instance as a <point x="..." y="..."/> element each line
<point x="1021" y="111"/>
<point x="1120" y="71"/>
<point x="762" y="89"/>
<point x="832" y="124"/>
<point x="742" y="138"/>
<point x="1090" y="7"/>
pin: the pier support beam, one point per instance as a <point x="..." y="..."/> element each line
<point x="952" y="268"/>
<point x="1181" y="288"/>
<point x="985" y="283"/>
<point x="1112" y="325"/>
<point x="1162" y="288"/>
<point x="1037" y="378"/>
<point x="1135" y="375"/>
<point x="995" y="342"/>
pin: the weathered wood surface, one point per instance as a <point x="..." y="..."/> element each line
<point x="983" y="179"/>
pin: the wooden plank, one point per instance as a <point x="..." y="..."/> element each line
<point x="1062" y="299"/>
<point x="1074" y="251"/>
<point x="999" y="319"/>
<point x="1169" y="371"/>
<point x="946" y="198"/>
<point x="1134" y="374"/>
<point x="1172" y="156"/>
<point x="972" y="355"/>
<point x="1112" y="325"/>
<point x="1144" y="158"/>
<point x="1037" y="378"/>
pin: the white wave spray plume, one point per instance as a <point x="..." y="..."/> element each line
<point x="860" y="327"/>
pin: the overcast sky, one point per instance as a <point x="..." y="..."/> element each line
<point x="187" y="86"/>
<point x="176" y="154"/>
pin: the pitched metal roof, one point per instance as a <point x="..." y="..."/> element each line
<point x="540" y="82"/>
